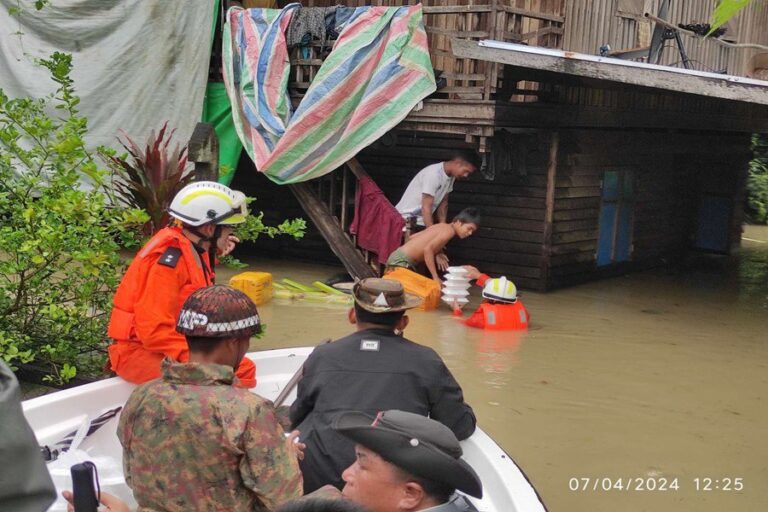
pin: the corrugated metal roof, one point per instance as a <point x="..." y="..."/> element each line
<point x="688" y="81"/>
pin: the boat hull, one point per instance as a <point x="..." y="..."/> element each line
<point x="53" y="416"/>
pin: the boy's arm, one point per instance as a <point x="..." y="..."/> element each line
<point x="433" y="248"/>
<point x="427" y="201"/>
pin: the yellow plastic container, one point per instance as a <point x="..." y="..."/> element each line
<point x="414" y="283"/>
<point x="256" y="285"/>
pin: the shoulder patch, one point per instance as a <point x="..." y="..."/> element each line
<point x="369" y="345"/>
<point x="170" y="257"/>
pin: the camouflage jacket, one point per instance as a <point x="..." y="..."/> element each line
<point x="192" y="441"/>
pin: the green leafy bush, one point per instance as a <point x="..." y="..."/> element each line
<point x="757" y="182"/>
<point x="254" y="227"/>
<point x="59" y="242"/>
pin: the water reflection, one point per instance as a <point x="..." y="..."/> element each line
<point x="497" y="350"/>
<point x="661" y="373"/>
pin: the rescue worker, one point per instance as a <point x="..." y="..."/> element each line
<point x="171" y="265"/>
<point x="191" y="441"/>
<point x="405" y="463"/>
<point x="373" y="369"/>
<point x="501" y="309"/>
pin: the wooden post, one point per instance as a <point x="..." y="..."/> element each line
<point x="490" y="67"/>
<point x="546" y="249"/>
<point x="204" y="152"/>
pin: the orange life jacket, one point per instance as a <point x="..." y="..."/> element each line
<point x="147" y="303"/>
<point x="499" y="316"/>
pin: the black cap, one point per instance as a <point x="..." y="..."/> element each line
<point x="414" y="443"/>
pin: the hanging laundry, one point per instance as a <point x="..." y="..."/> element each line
<point x="309" y="23"/>
<point x="377" y="71"/>
<point x="377" y="224"/>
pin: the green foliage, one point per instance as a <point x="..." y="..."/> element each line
<point x="59" y="243"/>
<point x="254" y="227"/>
<point x="757" y="182"/>
<point x="152" y="177"/>
<point x="726" y="10"/>
<point x="18" y="9"/>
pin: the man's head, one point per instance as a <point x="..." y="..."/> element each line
<point x="404" y="462"/>
<point x="461" y="164"/>
<point x="218" y="322"/>
<point x="209" y="210"/>
<point x="466" y="222"/>
<point x="381" y="303"/>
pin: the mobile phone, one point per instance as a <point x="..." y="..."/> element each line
<point x="85" y="487"/>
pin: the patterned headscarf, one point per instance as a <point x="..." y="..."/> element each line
<point x="219" y="312"/>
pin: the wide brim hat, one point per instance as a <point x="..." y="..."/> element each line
<point x="414" y="443"/>
<point x="383" y="296"/>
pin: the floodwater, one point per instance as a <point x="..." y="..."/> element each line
<point x="662" y="374"/>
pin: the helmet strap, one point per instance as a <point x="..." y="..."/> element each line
<point x="214" y="246"/>
<point x="198" y="233"/>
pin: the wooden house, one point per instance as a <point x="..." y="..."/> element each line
<point x="593" y="166"/>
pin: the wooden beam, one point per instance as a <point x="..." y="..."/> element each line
<point x="533" y="14"/>
<point x="613" y="70"/>
<point x="481" y="34"/>
<point x="356" y="168"/>
<point x="472" y="112"/>
<point x="549" y="213"/>
<point x="537" y="115"/>
<point x="331" y="230"/>
<point x="449" y="9"/>
<point x="541" y="32"/>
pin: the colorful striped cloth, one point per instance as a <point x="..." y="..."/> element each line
<point x="378" y="71"/>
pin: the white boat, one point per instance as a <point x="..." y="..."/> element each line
<point x="54" y="416"/>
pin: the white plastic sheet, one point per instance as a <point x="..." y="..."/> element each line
<point x="137" y="63"/>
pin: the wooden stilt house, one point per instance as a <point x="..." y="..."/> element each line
<point x="592" y="166"/>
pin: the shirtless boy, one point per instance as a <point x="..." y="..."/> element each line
<point x="426" y="246"/>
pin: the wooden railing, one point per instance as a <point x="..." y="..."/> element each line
<point x="330" y="203"/>
<point x="534" y="22"/>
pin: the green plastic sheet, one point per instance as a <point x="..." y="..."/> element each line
<point x="218" y="112"/>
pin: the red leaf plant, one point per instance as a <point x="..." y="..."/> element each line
<point x="152" y="176"/>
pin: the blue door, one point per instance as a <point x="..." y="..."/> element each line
<point x="714" y="222"/>
<point x="614" y="243"/>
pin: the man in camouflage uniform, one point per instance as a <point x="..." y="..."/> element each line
<point x="192" y="441"/>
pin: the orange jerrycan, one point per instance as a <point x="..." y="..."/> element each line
<point x="424" y="287"/>
<point x="256" y="285"/>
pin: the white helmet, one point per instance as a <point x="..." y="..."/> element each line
<point x="205" y="202"/>
<point x="500" y="289"/>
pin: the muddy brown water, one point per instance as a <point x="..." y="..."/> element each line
<point x="658" y="375"/>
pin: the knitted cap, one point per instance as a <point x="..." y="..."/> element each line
<point x="219" y="312"/>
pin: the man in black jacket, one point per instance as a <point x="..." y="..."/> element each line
<point x="372" y="370"/>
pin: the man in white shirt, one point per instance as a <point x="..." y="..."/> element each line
<point x="427" y="195"/>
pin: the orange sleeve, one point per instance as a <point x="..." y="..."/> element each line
<point x="477" y="319"/>
<point x="157" y="309"/>
<point x="246" y="374"/>
<point x="481" y="279"/>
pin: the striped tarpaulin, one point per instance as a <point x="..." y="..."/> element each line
<point x="378" y="71"/>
